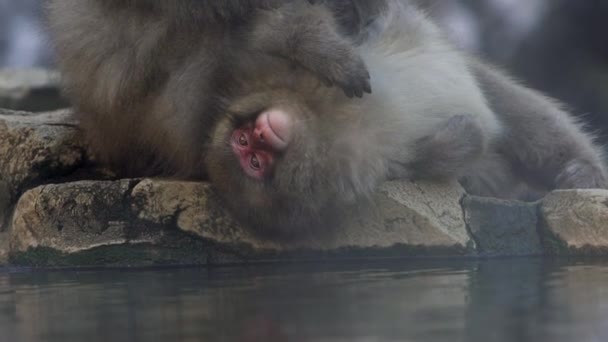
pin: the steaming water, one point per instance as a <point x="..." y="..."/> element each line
<point x="522" y="300"/>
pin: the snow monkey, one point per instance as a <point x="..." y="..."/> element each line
<point x="267" y="101"/>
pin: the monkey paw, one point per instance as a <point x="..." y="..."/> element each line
<point x="582" y="174"/>
<point x="349" y="73"/>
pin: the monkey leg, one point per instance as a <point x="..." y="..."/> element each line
<point x="493" y="175"/>
<point x="581" y="174"/>
<point x="308" y="35"/>
<point x="544" y="142"/>
<point x="450" y="150"/>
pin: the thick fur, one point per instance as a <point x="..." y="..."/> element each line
<point x="541" y="144"/>
<point x="145" y="75"/>
<point x="343" y="148"/>
<point x="160" y="91"/>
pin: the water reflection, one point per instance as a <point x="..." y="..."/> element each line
<point x="525" y="300"/>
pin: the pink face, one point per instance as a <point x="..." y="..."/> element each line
<point x="257" y="145"/>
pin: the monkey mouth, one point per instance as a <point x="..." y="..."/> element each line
<point x="273" y="129"/>
<point x="257" y="144"/>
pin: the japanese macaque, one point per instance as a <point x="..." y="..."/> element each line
<point x="146" y="75"/>
<point x="249" y="103"/>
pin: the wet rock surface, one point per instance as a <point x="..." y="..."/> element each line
<point x="502" y="228"/>
<point x="52" y="215"/>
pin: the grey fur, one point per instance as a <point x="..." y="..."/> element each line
<point x="449" y="151"/>
<point x="543" y="144"/>
<point x="160" y="90"/>
<point x="141" y="72"/>
<point x="343" y="148"/>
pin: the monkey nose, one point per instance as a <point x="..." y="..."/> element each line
<point x="273" y="128"/>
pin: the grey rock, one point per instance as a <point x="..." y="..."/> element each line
<point x="4" y="248"/>
<point x="502" y="228"/>
<point x="5" y="202"/>
<point x="37" y="147"/>
<point x="32" y="90"/>
<point x="169" y="222"/>
<point x="575" y="222"/>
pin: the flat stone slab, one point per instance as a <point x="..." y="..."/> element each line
<point x="575" y="222"/>
<point x="32" y="90"/>
<point x="143" y="222"/>
<point x="400" y="213"/>
<point x="502" y="228"/>
<point x="159" y="222"/>
<point x="37" y="147"/>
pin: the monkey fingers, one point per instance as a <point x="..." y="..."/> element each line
<point x="350" y="74"/>
<point x="581" y="174"/>
<point x="308" y="36"/>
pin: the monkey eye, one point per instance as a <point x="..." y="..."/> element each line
<point x="243" y="140"/>
<point x="255" y="162"/>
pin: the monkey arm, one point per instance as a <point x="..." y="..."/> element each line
<point x="308" y="36"/>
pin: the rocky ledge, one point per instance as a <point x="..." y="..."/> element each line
<point x="55" y="211"/>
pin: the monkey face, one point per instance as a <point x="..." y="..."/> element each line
<point x="273" y="159"/>
<point x="257" y="144"/>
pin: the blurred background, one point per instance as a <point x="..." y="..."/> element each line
<point x="558" y="46"/>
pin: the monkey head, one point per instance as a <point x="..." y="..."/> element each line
<point x="285" y="160"/>
<point x="258" y="144"/>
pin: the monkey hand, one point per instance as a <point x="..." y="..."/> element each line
<point x="308" y="36"/>
<point x="582" y="174"/>
<point x="348" y="72"/>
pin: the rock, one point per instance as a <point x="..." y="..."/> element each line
<point x="92" y="223"/>
<point x="168" y="222"/>
<point x="4" y="248"/>
<point x="575" y="222"/>
<point x="5" y="201"/>
<point x="37" y="147"/>
<point x="415" y="216"/>
<point x="32" y="90"/>
<point x="502" y="228"/>
<point x="72" y="217"/>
